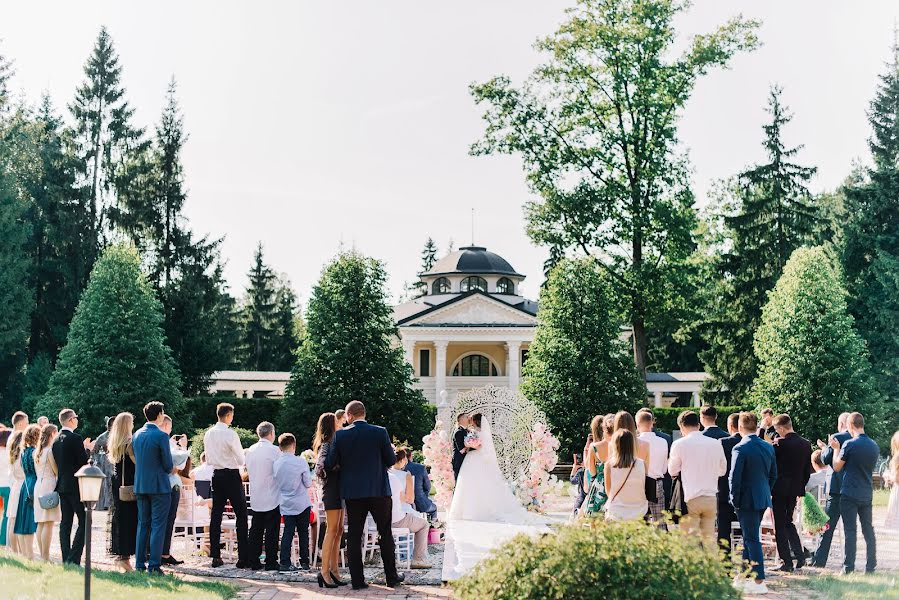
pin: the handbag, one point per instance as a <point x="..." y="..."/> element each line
<point x="649" y="487"/>
<point x="50" y="500"/>
<point x="126" y="492"/>
<point x="596" y="499"/>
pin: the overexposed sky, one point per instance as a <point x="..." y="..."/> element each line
<point x="316" y="123"/>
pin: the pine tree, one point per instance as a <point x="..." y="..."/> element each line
<point x="812" y="362"/>
<point x="115" y="358"/>
<point x="775" y="214"/>
<point x="104" y="137"/>
<point x="871" y="236"/>
<point x="259" y="315"/>
<point x="284" y="328"/>
<point x="349" y="353"/>
<point x="577" y="366"/>
<point x="428" y="258"/>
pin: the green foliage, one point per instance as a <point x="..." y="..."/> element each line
<point x="577" y="367"/>
<point x="621" y="560"/>
<point x="596" y="127"/>
<point x="116" y="358"/>
<point x="269" y="336"/>
<point x="248" y="412"/>
<point x="428" y="258"/>
<point x="350" y="353"/>
<point x="247" y="437"/>
<point x="666" y="418"/>
<point x="812" y="363"/>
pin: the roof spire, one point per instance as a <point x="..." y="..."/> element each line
<point x="472" y="226"/>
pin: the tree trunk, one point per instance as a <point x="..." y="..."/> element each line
<point x="640" y="346"/>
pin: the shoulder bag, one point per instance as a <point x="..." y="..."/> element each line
<point x="126" y="492"/>
<point x="50" y="500"/>
<point x="626" y="477"/>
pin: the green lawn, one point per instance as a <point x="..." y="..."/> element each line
<point x="40" y="581"/>
<point x="856" y="586"/>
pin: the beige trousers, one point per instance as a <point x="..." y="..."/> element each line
<point x="420" y="528"/>
<point x="700" y="519"/>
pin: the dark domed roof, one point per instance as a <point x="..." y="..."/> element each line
<point x="475" y="260"/>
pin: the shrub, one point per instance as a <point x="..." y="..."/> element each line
<point x="599" y="560"/>
<point x="666" y="418"/>
<point x="248" y="412"/>
<point x="247" y="438"/>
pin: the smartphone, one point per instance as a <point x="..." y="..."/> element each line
<point x="577" y="458"/>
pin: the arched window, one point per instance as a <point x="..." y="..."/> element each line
<point x="440" y="286"/>
<point x="504" y="286"/>
<point x="474" y="365"/>
<point x="470" y="284"/>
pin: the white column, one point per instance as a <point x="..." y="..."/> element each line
<point x="408" y="351"/>
<point x="696" y="402"/>
<point x="440" y="369"/>
<point x="658" y="398"/>
<point x="514" y="351"/>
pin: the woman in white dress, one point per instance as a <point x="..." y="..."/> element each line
<point x="46" y="483"/>
<point x="16" y="480"/>
<point x="892" y="477"/>
<point x="625" y="476"/>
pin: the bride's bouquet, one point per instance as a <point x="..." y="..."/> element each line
<point x="472" y="440"/>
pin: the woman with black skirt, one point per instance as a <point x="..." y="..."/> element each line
<point x="122" y="521"/>
<point x="330" y="484"/>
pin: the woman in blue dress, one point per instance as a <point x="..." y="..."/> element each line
<point x="25" y="525"/>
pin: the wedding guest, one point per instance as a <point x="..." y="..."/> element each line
<point x="293" y="480"/>
<point x="4" y="482"/>
<point x="820" y="476"/>
<point x="153" y="459"/>
<point x="43" y="421"/>
<point x="857" y="459"/>
<point x="329" y="479"/>
<point x="402" y="494"/>
<point x="70" y="454"/>
<point x="624" y="420"/>
<point x="578" y="478"/>
<point x="700" y="461"/>
<point x="668" y="440"/>
<point x="708" y="416"/>
<point x="602" y="427"/>
<point x="891" y="475"/>
<point x="101" y="461"/>
<point x="793" y="455"/>
<point x="752" y="475"/>
<point x="624" y="476"/>
<point x="122" y="521"/>
<point x="363" y="453"/>
<point x="225" y="455"/>
<point x="655" y="468"/>
<point x="340" y="415"/>
<point x="46" y="483"/>
<point x="422" y="482"/>
<point x="264" y="497"/>
<point x="26" y="526"/>
<point x="726" y="513"/>
<point x="19" y="423"/>
<point x="766" y="428"/>
<point x="835" y="486"/>
<point x="181" y="459"/>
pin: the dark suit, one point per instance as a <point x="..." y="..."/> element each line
<point x="363" y="453"/>
<point x="70" y="455"/>
<point x="726" y="512"/>
<point x="458" y="450"/>
<point x="154" y="493"/>
<point x="793" y="454"/>
<point x="666" y="481"/>
<point x="833" y="502"/>
<point x="752" y="475"/>
<point x="715" y="432"/>
<point x="423" y="501"/>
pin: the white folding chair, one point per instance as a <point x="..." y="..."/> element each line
<point x="189" y="521"/>
<point x="403" y="540"/>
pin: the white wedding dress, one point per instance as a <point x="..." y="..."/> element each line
<point x="484" y="512"/>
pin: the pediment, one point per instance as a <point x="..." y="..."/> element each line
<point x="475" y="310"/>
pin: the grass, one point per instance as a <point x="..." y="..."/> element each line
<point x="30" y="580"/>
<point x="882" y="586"/>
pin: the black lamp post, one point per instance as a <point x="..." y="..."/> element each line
<point x="90" y="480"/>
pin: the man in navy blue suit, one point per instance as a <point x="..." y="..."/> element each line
<point x="363" y="453"/>
<point x="752" y="476"/>
<point x="153" y="459"/>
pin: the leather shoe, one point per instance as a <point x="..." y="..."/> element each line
<point x="272" y="567"/>
<point x="242" y="565"/>
<point x="217" y="562"/>
<point x="171" y="560"/>
<point x="783" y="568"/>
<point x="361" y="586"/>
<point x="400" y="578"/>
<point x="800" y="564"/>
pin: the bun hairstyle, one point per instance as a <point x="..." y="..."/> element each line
<point x="476" y="419"/>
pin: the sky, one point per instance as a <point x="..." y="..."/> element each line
<point x="320" y="125"/>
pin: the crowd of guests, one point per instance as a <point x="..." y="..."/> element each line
<point x="149" y="467"/>
<point x="710" y="480"/>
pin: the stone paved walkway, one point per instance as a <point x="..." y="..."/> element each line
<point x="256" y="590"/>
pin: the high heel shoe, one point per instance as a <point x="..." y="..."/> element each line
<point x="336" y="579"/>
<point x="324" y="584"/>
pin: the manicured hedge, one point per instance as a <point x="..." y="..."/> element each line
<point x="199" y="412"/>
<point x="666" y="418"/>
<point x="247" y="438"/>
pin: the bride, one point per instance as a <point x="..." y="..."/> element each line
<point x="482" y="492"/>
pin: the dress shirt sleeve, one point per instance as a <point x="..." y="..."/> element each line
<point x="674" y="460"/>
<point x="305" y="476"/>
<point x="332" y="455"/>
<point x="236" y="448"/>
<point x="166" y="454"/>
<point x="722" y="461"/>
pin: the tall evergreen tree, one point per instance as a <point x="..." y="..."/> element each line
<point x="871" y="236"/>
<point x="577" y="366"/>
<point x="812" y="362"/>
<point x="349" y="353"/>
<point x="115" y="358"/>
<point x="104" y="138"/>
<point x="284" y="328"/>
<point x="775" y="214"/>
<point x="259" y="312"/>
<point x="428" y="258"/>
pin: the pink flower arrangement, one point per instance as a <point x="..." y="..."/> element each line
<point x="538" y="481"/>
<point x="438" y="453"/>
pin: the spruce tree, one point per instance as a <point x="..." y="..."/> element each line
<point x="115" y="358"/>
<point x="349" y="352"/>
<point x="284" y="338"/>
<point x="428" y="258"/>
<point x="577" y="366"/>
<point x="259" y="315"/>
<point x="812" y="362"/>
<point x="775" y="215"/>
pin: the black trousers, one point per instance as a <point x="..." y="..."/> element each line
<point x="785" y="534"/>
<point x="833" y="514"/>
<point x="850" y="510"/>
<point x="170" y="524"/>
<point x="357" y="510"/>
<point x="227" y="486"/>
<point x="70" y="505"/>
<point x="265" y="523"/>
<point x="726" y="516"/>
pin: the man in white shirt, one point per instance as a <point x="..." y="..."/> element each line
<point x="657" y="467"/>
<point x="700" y="461"/>
<point x="225" y="455"/>
<point x="264" y="498"/>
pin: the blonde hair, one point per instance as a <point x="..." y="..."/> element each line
<point x="119" y="436"/>
<point x="47" y="433"/>
<point x="15" y="445"/>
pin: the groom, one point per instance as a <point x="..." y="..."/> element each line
<point x="364" y="453"/>
<point x="459" y="448"/>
